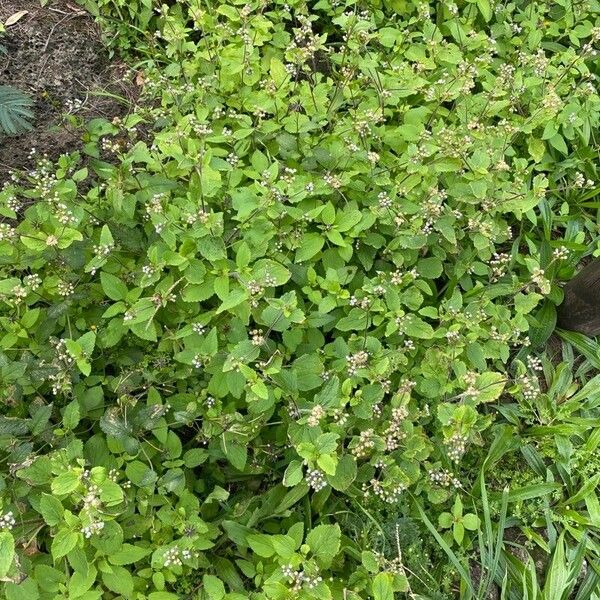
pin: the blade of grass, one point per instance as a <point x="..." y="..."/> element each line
<point x="583" y="344"/>
<point x="449" y="553"/>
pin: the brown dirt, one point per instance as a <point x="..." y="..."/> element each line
<point x="55" y="54"/>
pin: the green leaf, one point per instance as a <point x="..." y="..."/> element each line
<point x="112" y="286"/>
<point x="536" y="148"/>
<point x="119" y="580"/>
<point x="490" y="386"/>
<point x="7" y="552"/>
<point x="52" y="510"/>
<point x="485" y="9"/>
<point x="382" y="587"/>
<point x="311" y="245"/>
<point x="329" y="395"/>
<point x="235" y="297"/>
<point x="128" y="554"/>
<point x="213" y="586"/>
<point x="458" y="531"/>
<point x="557" y="575"/>
<point x="356" y="320"/>
<point x="25" y="590"/>
<point x="470" y="522"/>
<point x="557" y="141"/>
<point x="261" y="544"/>
<point x="71" y="415"/>
<point x="269" y="272"/>
<point x="546" y="323"/>
<point x="418" y="328"/>
<point x="106" y="238"/>
<point x="324" y="543"/>
<point x="430" y="268"/>
<point x="345" y="473"/>
<point x="328" y="462"/>
<point x="65" y="483"/>
<point x="445" y="520"/>
<point x="113" y="424"/>
<point x="369" y="561"/>
<point x="532" y="491"/>
<point x="63" y="542"/>
<point x="293" y="474"/>
<point x="140" y="474"/>
<point x="236" y="453"/>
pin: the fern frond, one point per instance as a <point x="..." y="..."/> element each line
<point x="15" y="112"/>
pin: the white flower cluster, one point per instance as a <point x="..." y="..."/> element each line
<point x="8" y="521"/>
<point x="174" y="557"/>
<point x="32" y="281"/>
<point x="365" y="444"/>
<point x="538" y="277"/>
<point x="102" y="250"/>
<point x="498" y="265"/>
<point x="7" y="233"/>
<point x="257" y="337"/>
<point x="470" y="379"/>
<point x="315" y="479"/>
<point x="394" y="434"/>
<point x="444" y="478"/>
<point x="332" y="181"/>
<point x="529" y="387"/>
<point x="64" y="214"/>
<point x="317" y="412"/>
<point x="560" y="253"/>
<point x="109" y="145"/>
<point x="19" y="293"/>
<point x="299" y="579"/>
<point x="92" y="498"/>
<point x="199" y="328"/>
<point x="357" y="361"/>
<point x="92" y="529"/>
<point x="389" y="495"/>
<point x="534" y="363"/>
<point x="65" y="289"/>
<point x="456" y="446"/>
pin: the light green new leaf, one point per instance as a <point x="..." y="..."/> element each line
<point x="382" y="587"/>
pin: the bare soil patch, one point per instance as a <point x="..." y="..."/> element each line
<point x="55" y="53"/>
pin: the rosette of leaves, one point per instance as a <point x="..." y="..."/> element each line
<point x="15" y="110"/>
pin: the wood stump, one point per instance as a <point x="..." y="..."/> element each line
<point x="580" y="310"/>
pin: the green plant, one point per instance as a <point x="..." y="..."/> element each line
<point x="15" y="110"/>
<point x="291" y="310"/>
<point x="458" y="522"/>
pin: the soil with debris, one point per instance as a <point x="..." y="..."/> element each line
<point x="56" y="55"/>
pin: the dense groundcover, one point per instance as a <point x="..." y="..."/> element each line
<point x="280" y="332"/>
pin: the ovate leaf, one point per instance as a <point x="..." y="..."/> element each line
<point x="324" y="543"/>
<point x="7" y="552"/>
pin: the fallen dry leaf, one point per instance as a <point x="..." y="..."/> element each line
<point x="15" y="17"/>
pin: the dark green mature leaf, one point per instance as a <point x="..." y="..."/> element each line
<point x="15" y="111"/>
